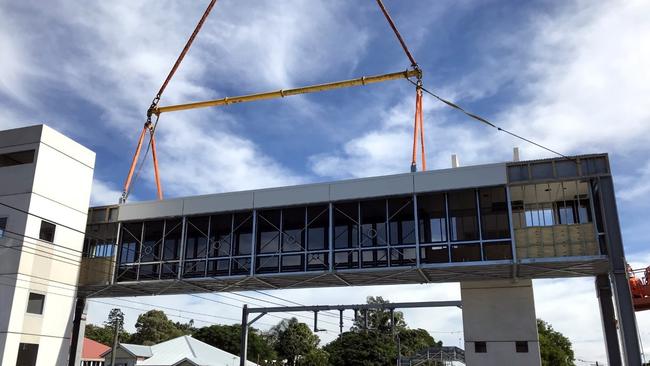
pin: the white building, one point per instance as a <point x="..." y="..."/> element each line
<point x="181" y="351"/>
<point x="45" y="183"/>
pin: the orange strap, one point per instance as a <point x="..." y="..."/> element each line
<point x="418" y="129"/>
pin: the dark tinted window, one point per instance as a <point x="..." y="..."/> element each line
<point x="220" y="233"/>
<point x="241" y="266"/>
<point x="293" y="229"/>
<point x="268" y="264"/>
<point x="317" y="261"/>
<point x="518" y="173"/>
<point x="149" y="271"/>
<point x="432" y="217"/>
<point x="373" y="223"/>
<point x="27" y="353"/>
<point x="3" y="226"/>
<point x="195" y="269"/>
<point x="17" y="158"/>
<point x="403" y="256"/>
<point x="243" y="233"/>
<point x="521" y="347"/>
<point x="47" y="231"/>
<point x="130" y="242"/>
<point x="542" y="170"/>
<point x="35" y="303"/>
<point x="566" y="168"/>
<point x="219" y="267"/>
<point x="346" y="234"/>
<point x="172" y="244"/>
<point x="434" y="254"/>
<point x="196" y="241"/>
<point x="293" y="263"/>
<point x="401" y="222"/>
<point x="374" y="258"/>
<point x="463" y="223"/>
<point x="268" y="231"/>
<point x="466" y="252"/>
<point x="497" y="250"/>
<point x="594" y="166"/>
<point x="347" y="259"/>
<point x="494" y="213"/>
<point x="169" y="270"/>
<point x="317" y="227"/>
<point x="152" y="243"/>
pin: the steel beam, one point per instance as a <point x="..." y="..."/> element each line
<point x="388" y="306"/>
<point x="608" y="318"/>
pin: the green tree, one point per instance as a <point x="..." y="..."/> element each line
<point x="555" y="348"/>
<point x="103" y="334"/>
<point x="154" y="327"/>
<point x="316" y="357"/>
<point x="227" y="338"/>
<point x="379" y="319"/>
<point x="293" y="340"/>
<point x="358" y="348"/>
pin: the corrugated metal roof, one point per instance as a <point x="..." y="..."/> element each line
<point x="186" y="348"/>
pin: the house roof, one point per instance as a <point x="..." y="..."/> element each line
<point x="134" y="350"/>
<point x="186" y="348"/>
<point x="93" y="350"/>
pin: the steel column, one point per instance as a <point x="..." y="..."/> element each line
<point x="608" y="318"/>
<point x="618" y="273"/>
<point x="243" y="345"/>
<point x="78" y="331"/>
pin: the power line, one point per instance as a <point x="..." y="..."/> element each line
<point x="485" y="121"/>
<point x="294" y="303"/>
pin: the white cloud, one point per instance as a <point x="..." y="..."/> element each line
<point x="104" y="193"/>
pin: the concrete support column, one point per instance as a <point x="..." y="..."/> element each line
<point x="608" y="317"/>
<point x="499" y="316"/>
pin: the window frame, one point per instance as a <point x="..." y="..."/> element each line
<point x="40" y="231"/>
<point x="42" y="306"/>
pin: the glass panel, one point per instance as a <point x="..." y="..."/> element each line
<point x="466" y="252"/>
<point x="494" y="213"/>
<point x="594" y="166"/>
<point x="434" y="254"/>
<point x="27" y="354"/>
<point x="35" y="303"/>
<point x="241" y="266"/>
<point x="268" y="231"/>
<point x="566" y="168"/>
<point x="317" y="261"/>
<point x="169" y="270"/>
<point x="462" y="215"/>
<point x="267" y="264"/>
<point x="195" y="269"/>
<point x="173" y="233"/>
<point x="346" y="226"/>
<point x="130" y="242"/>
<point x="293" y="229"/>
<point x="348" y="259"/>
<point x="374" y="258"/>
<point x="542" y="170"/>
<point x="243" y="233"/>
<point x="317" y="227"/>
<point x="218" y="267"/>
<point x="127" y="273"/>
<point x="293" y="263"/>
<point x="432" y="217"/>
<point x="497" y="251"/>
<point x="151" y="245"/>
<point x="518" y="173"/>
<point x="220" y="233"/>
<point x="403" y="256"/>
<point x="149" y="271"/>
<point x="401" y="222"/>
<point x="196" y="241"/>
<point x="373" y="223"/>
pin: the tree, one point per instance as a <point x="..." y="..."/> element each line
<point x="292" y="340"/>
<point x="154" y="327"/>
<point x="227" y="338"/>
<point x="317" y="357"/>
<point x="103" y="334"/>
<point x="555" y="348"/>
<point x="358" y="348"/>
<point x="379" y="319"/>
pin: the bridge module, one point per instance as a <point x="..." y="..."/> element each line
<point x="483" y="226"/>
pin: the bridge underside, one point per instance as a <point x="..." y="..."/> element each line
<point x="441" y="273"/>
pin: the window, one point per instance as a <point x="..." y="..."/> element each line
<point x="494" y="213"/>
<point x="172" y="242"/>
<point x="317" y="227"/>
<point x="47" y="231"/>
<point x="434" y="254"/>
<point x="3" y="226"/>
<point x="130" y="242"/>
<point x="293" y="229"/>
<point x="521" y="347"/>
<point x="153" y="237"/>
<point x="35" y="303"/>
<point x="243" y="237"/>
<point x="17" y="158"/>
<point x="220" y="234"/>
<point x="268" y="231"/>
<point x="480" y="347"/>
<point x="463" y="223"/>
<point x="497" y="250"/>
<point x="432" y="217"/>
<point x="196" y="242"/>
<point x="27" y="353"/>
<point x="346" y="226"/>
<point x="466" y="252"/>
<point x="401" y="222"/>
<point x="373" y="223"/>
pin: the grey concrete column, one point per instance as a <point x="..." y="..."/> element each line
<point x="78" y="331"/>
<point x="618" y="273"/>
<point x="608" y="317"/>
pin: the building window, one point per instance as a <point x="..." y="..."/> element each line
<point x="521" y="347"/>
<point x="463" y="215"/>
<point x="433" y="218"/>
<point x="47" y="231"/>
<point x="3" y="226"/>
<point x="35" y="303"/>
<point x="27" y="353"/>
<point x="480" y="347"/>
<point x="17" y="158"/>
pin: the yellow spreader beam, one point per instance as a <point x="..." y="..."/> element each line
<point x="288" y="92"/>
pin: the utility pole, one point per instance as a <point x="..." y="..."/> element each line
<point x="116" y="332"/>
<point x="116" y="319"/>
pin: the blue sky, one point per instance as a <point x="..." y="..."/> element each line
<point x="570" y="74"/>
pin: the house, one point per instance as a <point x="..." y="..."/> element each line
<point x="181" y="351"/>
<point x="91" y="353"/>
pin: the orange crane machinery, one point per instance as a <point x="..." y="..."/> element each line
<point x="640" y="288"/>
<point x="156" y="110"/>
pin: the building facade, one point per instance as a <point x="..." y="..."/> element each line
<point x="44" y="196"/>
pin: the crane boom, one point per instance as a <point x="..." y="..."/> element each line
<point x="288" y="92"/>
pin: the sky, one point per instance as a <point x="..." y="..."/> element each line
<point x="572" y="75"/>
